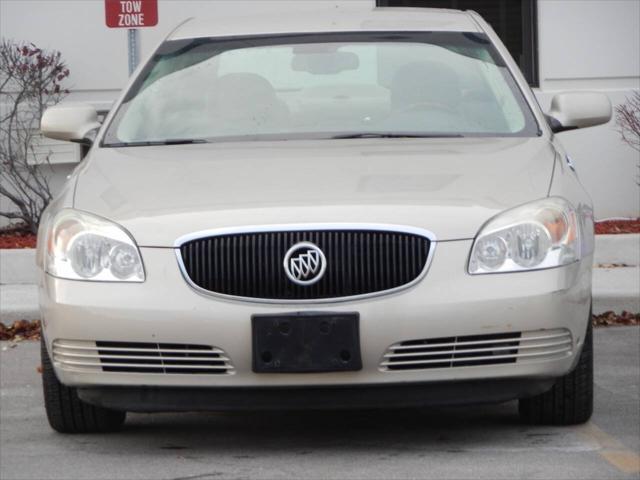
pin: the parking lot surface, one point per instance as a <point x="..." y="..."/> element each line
<point x="482" y="442"/>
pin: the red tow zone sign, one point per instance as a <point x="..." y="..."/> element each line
<point x="131" y="13"/>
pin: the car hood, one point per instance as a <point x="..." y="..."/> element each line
<point x="447" y="186"/>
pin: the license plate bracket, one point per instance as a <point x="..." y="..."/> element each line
<point x="306" y="342"/>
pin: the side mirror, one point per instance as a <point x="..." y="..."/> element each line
<point x="72" y="122"/>
<point x="573" y="110"/>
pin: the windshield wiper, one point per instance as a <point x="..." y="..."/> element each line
<point x="153" y="143"/>
<point x="396" y="135"/>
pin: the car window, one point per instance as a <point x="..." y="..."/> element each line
<point x="303" y="87"/>
<point x="275" y="64"/>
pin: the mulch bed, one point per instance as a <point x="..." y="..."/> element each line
<point x="30" y="330"/>
<point x="16" y="237"/>
<point x="609" y="227"/>
<point x="607" y="319"/>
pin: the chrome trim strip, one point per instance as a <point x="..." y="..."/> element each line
<point x="149" y="366"/>
<point x="83" y="356"/>
<point x="561" y="345"/>
<point x="299" y="227"/>
<point x="62" y="356"/>
<point x="461" y="351"/>
<point x="550" y="353"/>
<point x="399" y="346"/>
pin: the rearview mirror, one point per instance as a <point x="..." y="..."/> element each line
<point x="323" y="63"/>
<point x="573" y="110"/>
<point x="72" y="122"/>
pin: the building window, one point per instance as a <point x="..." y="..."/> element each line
<point x="515" y="21"/>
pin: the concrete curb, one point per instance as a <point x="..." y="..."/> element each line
<point x="618" y="249"/>
<point x="18" y="267"/>
<point x="614" y="289"/>
<point x="18" y="289"/>
<point x="18" y="302"/>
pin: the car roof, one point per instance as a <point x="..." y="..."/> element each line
<point x="327" y="20"/>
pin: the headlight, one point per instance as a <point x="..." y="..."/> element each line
<point x="81" y="246"/>
<point x="542" y="234"/>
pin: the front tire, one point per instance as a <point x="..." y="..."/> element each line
<point x="66" y="412"/>
<point x="570" y="401"/>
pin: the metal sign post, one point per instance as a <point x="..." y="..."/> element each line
<point x="133" y="49"/>
<point x="132" y="15"/>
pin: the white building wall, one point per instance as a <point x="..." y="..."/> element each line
<point x="97" y="55"/>
<point x="583" y="44"/>
<point x="595" y="45"/>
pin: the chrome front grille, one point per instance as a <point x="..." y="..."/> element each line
<point x="136" y="357"/>
<point x="360" y="260"/>
<point x="475" y="350"/>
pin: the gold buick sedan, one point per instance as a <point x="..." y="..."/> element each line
<point x="341" y="210"/>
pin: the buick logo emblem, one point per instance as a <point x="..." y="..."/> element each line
<point x="304" y="263"/>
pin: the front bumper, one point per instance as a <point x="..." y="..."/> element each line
<point x="405" y="395"/>
<point x="446" y="303"/>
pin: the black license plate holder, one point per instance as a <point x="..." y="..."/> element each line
<point x="306" y="342"/>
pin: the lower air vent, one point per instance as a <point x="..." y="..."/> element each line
<point x="475" y="350"/>
<point x="129" y="357"/>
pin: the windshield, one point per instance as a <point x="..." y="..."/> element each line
<point x="347" y="85"/>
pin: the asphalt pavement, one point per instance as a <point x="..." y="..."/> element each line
<point x="482" y="442"/>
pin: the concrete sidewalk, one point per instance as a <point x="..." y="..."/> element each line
<point x="616" y="279"/>
<point x="18" y="289"/>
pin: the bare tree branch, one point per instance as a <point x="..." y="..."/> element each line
<point x="628" y="120"/>
<point x="30" y="81"/>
